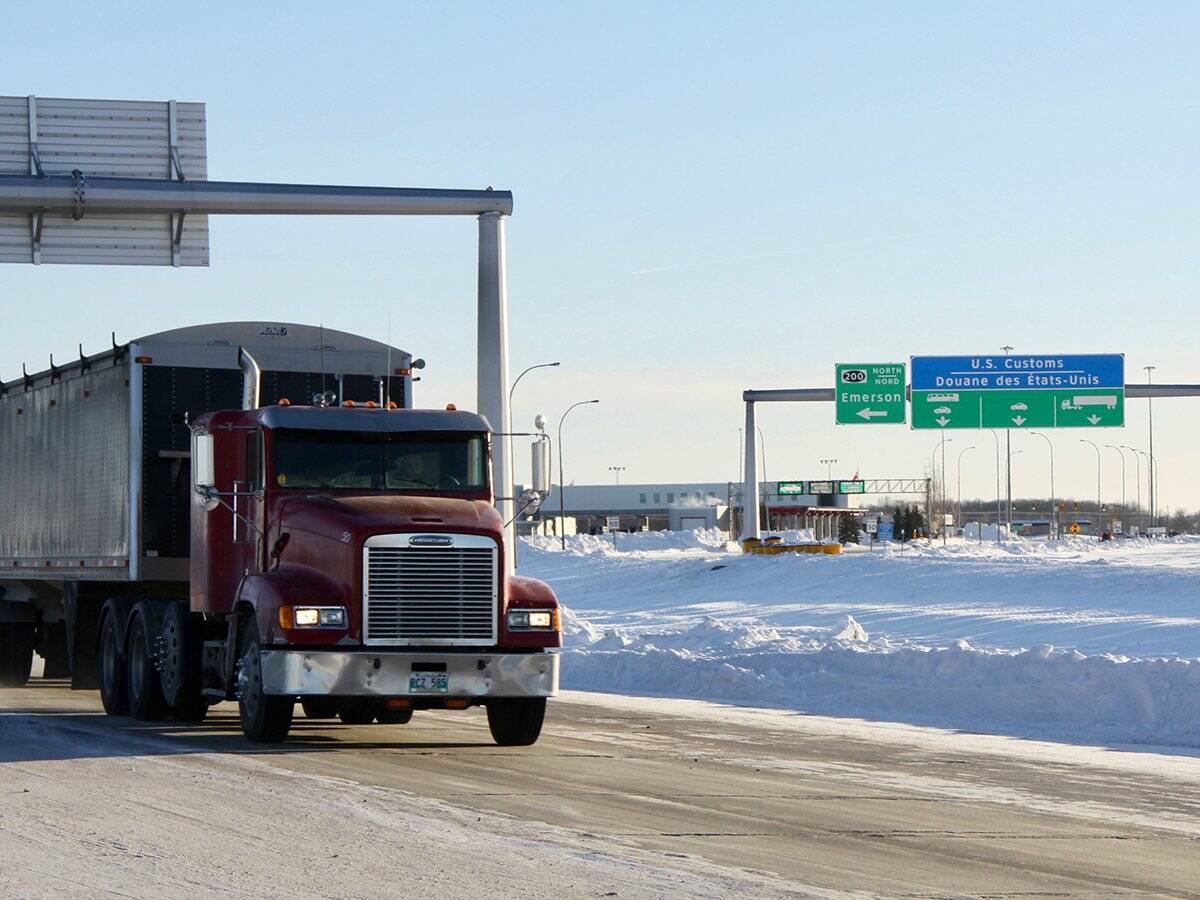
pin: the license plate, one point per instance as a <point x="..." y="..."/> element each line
<point x="428" y="683"/>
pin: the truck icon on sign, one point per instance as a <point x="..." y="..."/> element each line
<point x="1108" y="401"/>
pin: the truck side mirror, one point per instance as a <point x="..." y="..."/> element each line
<point x="204" y="475"/>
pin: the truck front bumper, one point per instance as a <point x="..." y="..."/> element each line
<point x="365" y="674"/>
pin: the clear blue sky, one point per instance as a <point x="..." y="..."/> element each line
<point x="709" y="197"/>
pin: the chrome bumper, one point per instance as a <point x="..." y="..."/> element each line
<point x="305" y="672"/>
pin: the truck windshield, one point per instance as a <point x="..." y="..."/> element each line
<point x="416" y="461"/>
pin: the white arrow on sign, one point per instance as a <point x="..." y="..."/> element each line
<point x="1093" y="418"/>
<point x="942" y="420"/>
<point x="1019" y="420"/>
<point x="870" y="414"/>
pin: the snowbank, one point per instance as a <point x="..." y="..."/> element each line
<point x="1073" y="639"/>
<point x="701" y="539"/>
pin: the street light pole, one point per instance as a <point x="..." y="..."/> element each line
<point x="996" y="438"/>
<point x="1138" y="473"/>
<point x="942" y="441"/>
<point x="1146" y="516"/>
<point x="1099" y="514"/>
<point x="562" y="487"/>
<point x="1150" y="412"/>
<point x="828" y="464"/>
<point x="1008" y="468"/>
<point x="617" y="470"/>
<point x="1011" y="454"/>
<point x="1122" y="455"/>
<point x="1056" y="525"/>
<point x="508" y="440"/>
<point x="958" y="499"/>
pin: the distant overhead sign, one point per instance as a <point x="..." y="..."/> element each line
<point x="869" y="393"/>
<point x="789" y="488"/>
<point x="852" y="487"/>
<point x="822" y="487"/>
<point x="1045" y="391"/>
<point x="96" y="139"/>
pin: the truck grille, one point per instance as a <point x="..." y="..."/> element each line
<point x="421" y="594"/>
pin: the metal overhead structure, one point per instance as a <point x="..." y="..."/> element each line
<point x="125" y="183"/>
<point x="751" y="519"/>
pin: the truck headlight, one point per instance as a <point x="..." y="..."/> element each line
<point x="312" y="616"/>
<point x="533" y="619"/>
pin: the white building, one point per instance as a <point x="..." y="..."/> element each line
<point x="674" y="507"/>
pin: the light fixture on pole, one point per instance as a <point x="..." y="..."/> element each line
<point x="828" y="464"/>
<point x="1055" y="525"/>
<point x="562" y="487"/>
<point x="617" y="470"/>
<point x="1099" y="511"/>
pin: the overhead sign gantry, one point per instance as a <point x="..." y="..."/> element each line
<point x="112" y="182"/>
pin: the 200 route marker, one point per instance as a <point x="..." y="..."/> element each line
<point x="870" y="393"/>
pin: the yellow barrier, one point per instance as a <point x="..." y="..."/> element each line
<point x="773" y="546"/>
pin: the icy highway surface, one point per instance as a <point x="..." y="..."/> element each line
<point x="622" y="797"/>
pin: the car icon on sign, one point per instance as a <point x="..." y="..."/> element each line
<point x="1018" y="407"/>
<point x="943" y="411"/>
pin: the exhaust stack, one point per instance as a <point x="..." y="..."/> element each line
<point x="251" y="379"/>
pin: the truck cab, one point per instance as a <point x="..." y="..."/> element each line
<point x="350" y="558"/>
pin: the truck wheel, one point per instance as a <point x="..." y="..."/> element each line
<point x="16" y="653"/>
<point x="143" y="683"/>
<point x="357" y="712"/>
<point x="319" y="707"/>
<point x="266" y="718"/>
<point x="112" y="666"/>
<point x="182" y="647"/>
<point x="393" y="716"/>
<point x="516" y="721"/>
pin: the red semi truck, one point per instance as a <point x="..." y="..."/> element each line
<point x="254" y="512"/>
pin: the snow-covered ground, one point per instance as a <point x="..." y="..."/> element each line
<point x="1071" y="639"/>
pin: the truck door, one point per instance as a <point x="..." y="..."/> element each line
<point x="247" y="503"/>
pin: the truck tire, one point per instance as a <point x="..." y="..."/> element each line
<point x="112" y="665"/>
<point x="181" y="649"/>
<point x="266" y="718"/>
<point x="16" y="653"/>
<point x="319" y="707"/>
<point x="393" y="716"/>
<point x="143" y="683"/>
<point x="358" y="712"/>
<point x="516" y="721"/>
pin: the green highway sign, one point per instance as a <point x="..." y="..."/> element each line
<point x="790" y="487"/>
<point x="869" y="393"/>
<point x="1081" y="408"/>
<point x="820" y="487"/>
<point x="852" y="487"/>
<point x="1070" y="390"/>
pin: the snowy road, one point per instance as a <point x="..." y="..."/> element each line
<point x="622" y="797"/>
